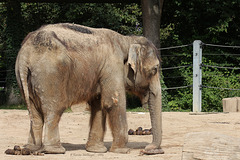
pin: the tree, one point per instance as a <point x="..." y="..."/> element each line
<point x="212" y="22"/>
<point x="13" y="35"/>
<point x="122" y="18"/>
<point x="152" y="11"/>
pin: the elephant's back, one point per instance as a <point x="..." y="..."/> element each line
<point x="73" y="38"/>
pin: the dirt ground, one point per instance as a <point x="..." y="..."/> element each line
<point x="74" y="127"/>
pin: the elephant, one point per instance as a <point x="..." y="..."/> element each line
<point x="63" y="64"/>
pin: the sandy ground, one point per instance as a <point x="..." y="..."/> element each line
<point x="74" y="127"/>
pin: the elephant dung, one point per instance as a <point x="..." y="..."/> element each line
<point x="130" y="132"/>
<point x="140" y="131"/>
<point x="25" y="151"/>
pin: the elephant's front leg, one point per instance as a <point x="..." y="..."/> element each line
<point x="97" y="127"/>
<point x="118" y="124"/>
<point x="114" y="101"/>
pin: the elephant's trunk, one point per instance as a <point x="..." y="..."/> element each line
<point x="155" y="109"/>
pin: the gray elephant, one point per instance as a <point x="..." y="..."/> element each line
<point x="64" y="64"/>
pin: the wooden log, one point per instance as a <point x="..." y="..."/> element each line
<point x="210" y="146"/>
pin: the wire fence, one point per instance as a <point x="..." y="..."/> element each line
<point x="202" y="65"/>
<point x="168" y="48"/>
<point x="212" y="54"/>
<point x="177" y="67"/>
<point x="202" y="86"/>
<point x="221" y="46"/>
<point x="222" y="66"/>
<point x="214" y="72"/>
<point x="189" y="65"/>
<point x="170" y="88"/>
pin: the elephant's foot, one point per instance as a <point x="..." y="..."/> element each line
<point x="96" y="148"/>
<point x="152" y="149"/>
<point x="120" y="150"/>
<point x="32" y="147"/>
<point x="54" y="149"/>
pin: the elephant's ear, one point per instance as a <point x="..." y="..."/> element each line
<point x="134" y="51"/>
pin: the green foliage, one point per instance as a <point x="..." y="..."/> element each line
<point x="13" y="35"/>
<point x="20" y="107"/>
<point x="18" y="19"/>
<point x="211" y="97"/>
<point x="214" y="22"/>
<point x="183" y="21"/>
<point x="137" y="109"/>
<point x="164" y="92"/>
<point x="2" y="44"/>
<point x="133" y="101"/>
<point x="3" y="97"/>
<point x="68" y="110"/>
<point x="222" y="78"/>
<point x="119" y="17"/>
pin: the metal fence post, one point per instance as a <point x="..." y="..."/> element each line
<point x="197" y="76"/>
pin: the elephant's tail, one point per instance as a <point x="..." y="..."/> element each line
<point x="22" y="72"/>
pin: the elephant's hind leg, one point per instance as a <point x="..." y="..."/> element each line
<point x="97" y="128"/>
<point x="36" y="128"/>
<point x="52" y="144"/>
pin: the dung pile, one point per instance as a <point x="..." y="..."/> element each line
<point x="140" y="131"/>
<point x="25" y="151"/>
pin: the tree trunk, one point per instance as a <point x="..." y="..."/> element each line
<point x="13" y="97"/>
<point x="14" y="36"/>
<point x="152" y="11"/>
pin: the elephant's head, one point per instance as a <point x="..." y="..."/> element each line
<point x="142" y="71"/>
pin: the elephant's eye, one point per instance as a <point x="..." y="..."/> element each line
<point x="154" y="70"/>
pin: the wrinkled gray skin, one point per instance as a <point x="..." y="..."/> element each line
<point x="64" y="64"/>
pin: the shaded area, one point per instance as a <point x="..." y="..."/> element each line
<point x="131" y="145"/>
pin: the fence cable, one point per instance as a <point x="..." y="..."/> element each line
<point x="204" y="65"/>
<point x="172" y="77"/>
<point x="189" y="65"/>
<point x="176" y="55"/>
<point x="212" y="54"/>
<point x="188" y="86"/>
<point x="212" y="75"/>
<point x="202" y="86"/>
<point x="167" y="48"/>
<point x="10" y="70"/>
<point x="222" y="46"/>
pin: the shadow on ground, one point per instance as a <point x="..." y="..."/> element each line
<point x="131" y="145"/>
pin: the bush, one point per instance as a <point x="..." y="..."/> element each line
<point x="132" y="101"/>
<point x="3" y="97"/>
<point x="211" y="97"/>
